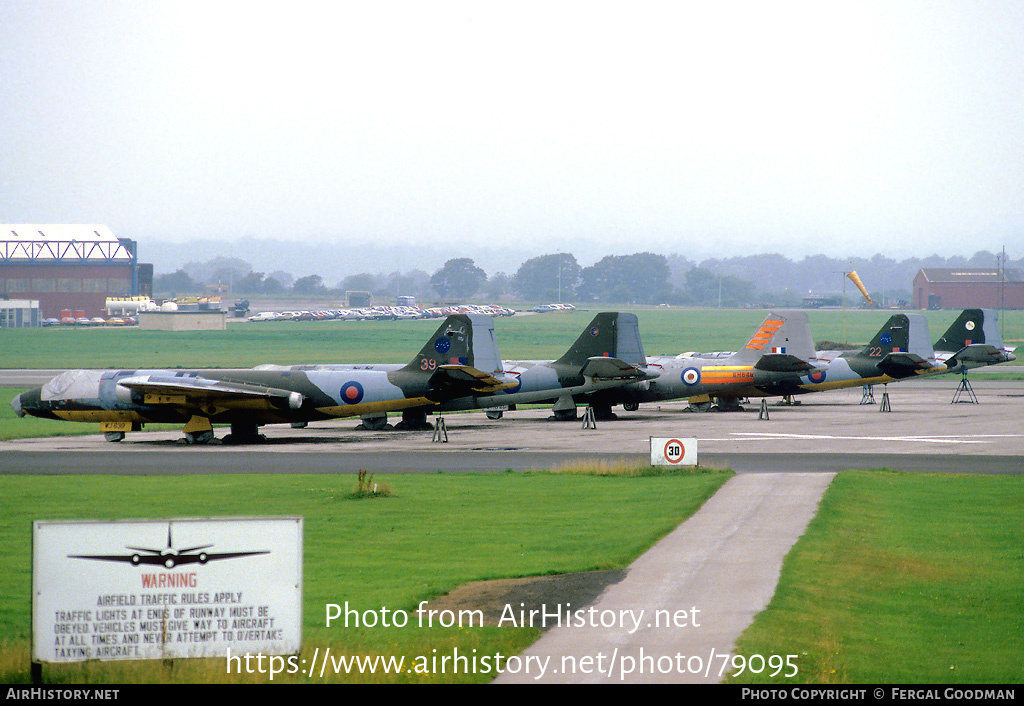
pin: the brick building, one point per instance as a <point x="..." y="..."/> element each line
<point x="69" y="267"/>
<point x="963" y="288"/>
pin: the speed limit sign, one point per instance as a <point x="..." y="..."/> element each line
<point x="673" y="451"/>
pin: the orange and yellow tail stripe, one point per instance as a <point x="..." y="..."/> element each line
<point x="764" y="334"/>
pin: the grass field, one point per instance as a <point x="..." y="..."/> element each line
<point x="435" y="533"/>
<point x="665" y="331"/>
<point x="903" y="578"/>
<point x="899" y="579"/>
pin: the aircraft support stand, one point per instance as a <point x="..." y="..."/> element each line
<point x="884" y="407"/>
<point x="440" y="431"/>
<point x="589" y="420"/>
<point x="868" y="396"/>
<point x="964" y="388"/>
<point x="764" y="409"/>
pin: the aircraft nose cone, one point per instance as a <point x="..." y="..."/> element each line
<point x="16" y="405"/>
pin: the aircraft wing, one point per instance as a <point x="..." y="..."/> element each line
<point x="603" y="368"/>
<point x="979" y="354"/>
<point x="783" y="363"/>
<point x="463" y="380"/>
<point x="191" y="390"/>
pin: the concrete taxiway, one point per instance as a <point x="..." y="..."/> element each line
<point x="826" y="432"/>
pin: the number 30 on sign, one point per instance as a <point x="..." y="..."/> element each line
<point x="674" y="451"/>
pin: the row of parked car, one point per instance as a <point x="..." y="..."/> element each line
<point x="382" y="313"/>
<point x="94" y="321"/>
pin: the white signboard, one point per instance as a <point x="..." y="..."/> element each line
<point x="161" y="589"/>
<point x="673" y="451"/>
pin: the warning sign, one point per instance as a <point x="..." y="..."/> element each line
<point x="160" y="589"/>
<point x="673" y="451"/>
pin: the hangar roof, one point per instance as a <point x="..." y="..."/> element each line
<point x="969" y="275"/>
<point x="32" y="242"/>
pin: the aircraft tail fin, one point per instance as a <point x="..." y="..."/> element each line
<point x="902" y="333"/>
<point x="971" y="327"/>
<point x="463" y="339"/>
<point x="975" y="340"/>
<point x="783" y="334"/>
<point x="608" y="335"/>
<point x="901" y="347"/>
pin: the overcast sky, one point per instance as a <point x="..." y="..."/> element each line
<point x="702" y="128"/>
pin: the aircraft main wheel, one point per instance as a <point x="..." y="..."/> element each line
<point x="631" y="406"/>
<point x="113" y="436"/>
<point x="199" y="437"/>
<point x="375" y="423"/>
<point x="244" y="433"/>
<point x="494" y="414"/>
<point x="603" y="412"/>
<point x="565" y="415"/>
<point x="413" y="421"/>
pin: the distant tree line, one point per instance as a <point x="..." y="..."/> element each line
<point x="640" y="278"/>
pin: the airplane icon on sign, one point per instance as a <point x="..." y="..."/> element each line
<point x="168" y="556"/>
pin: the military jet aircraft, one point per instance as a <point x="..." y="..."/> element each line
<point x="607" y="355"/>
<point x="458" y="368"/>
<point x="973" y="341"/>
<point x="778" y="351"/>
<point x="899" y="350"/>
<point x="123" y="400"/>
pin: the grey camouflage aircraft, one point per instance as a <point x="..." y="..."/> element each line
<point x="458" y="368"/>
<point x="607" y="355"/>
<point x="777" y="352"/>
<point x="124" y="400"/>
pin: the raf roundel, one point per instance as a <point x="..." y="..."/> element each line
<point x="442" y="345"/>
<point x="818" y="376"/>
<point x="691" y="376"/>
<point x="351" y="392"/>
<point x="969" y="325"/>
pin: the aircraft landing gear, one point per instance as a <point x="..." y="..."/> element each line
<point x="728" y="404"/>
<point x="495" y="414"/>
<point x="375" y="423"/>
<point x="412" y="421"/>
<point x="113" y="436"/>
<point x="631" y="406"/>
<point x="199" y="437"/>
<point x="244" y="434"/>
<point x="603" y="412"/>
<point x="565" y="415"/>
<point x="564" y="409"/>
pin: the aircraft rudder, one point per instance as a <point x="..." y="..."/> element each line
<point x="629" y="346"/>
<point x="483" y="347"/>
